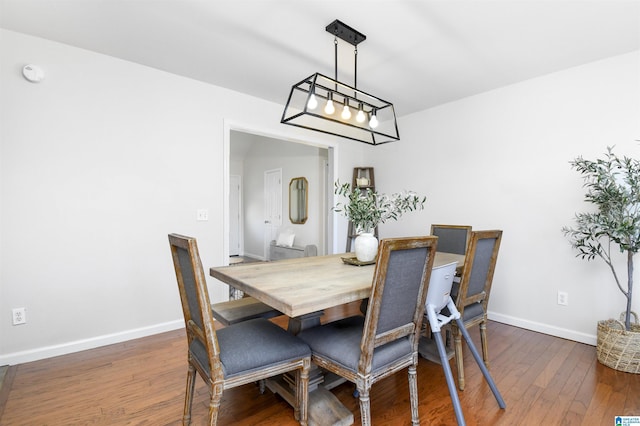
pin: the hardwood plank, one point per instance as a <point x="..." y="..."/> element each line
<point x="632" y="402"/>
<point x="550" y="382"/>
<point x="564" y="388"/>
<point x="544" y="380"/>
<point x="598" y="404"/>
<point x="612" y="409"/>
<point x="5" y="385"/>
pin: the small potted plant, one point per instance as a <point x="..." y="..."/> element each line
<point x="613" y="187"/>
<point x="367" y="208"/>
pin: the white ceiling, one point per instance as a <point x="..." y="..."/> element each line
<point x="418" y="54"/>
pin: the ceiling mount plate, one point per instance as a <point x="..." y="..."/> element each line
<point x="345" y="32"/>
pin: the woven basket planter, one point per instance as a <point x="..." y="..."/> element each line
<point x="618" y="348"/>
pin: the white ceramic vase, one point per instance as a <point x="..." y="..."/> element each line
<point x="366" y="245"/>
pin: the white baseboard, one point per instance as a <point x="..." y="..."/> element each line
<point x="255" y="256"/>
<point x="589" y="339"/>
<point x="91" y="343"/>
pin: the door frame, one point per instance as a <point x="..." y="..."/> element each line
<point x="240" y="230"/>
<point x="332" y="148"/>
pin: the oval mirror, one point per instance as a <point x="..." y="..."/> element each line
<point x="298" y="188"/>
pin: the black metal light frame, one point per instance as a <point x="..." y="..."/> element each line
<point x="298" y="111"/>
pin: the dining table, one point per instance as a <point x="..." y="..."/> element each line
<point x="302" y="289"/>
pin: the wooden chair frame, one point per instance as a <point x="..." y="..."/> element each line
<point x="216" y="380"/>
<point x="371" y="339"/>
<point x="463" y="300"/>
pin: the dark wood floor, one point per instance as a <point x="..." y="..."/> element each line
<point x="544" y="381"/>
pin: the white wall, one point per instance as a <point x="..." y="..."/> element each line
<point x="99" y="162"/>
<point x="501" y="160"/>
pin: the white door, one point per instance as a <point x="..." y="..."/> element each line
<point x="272" y="207"/>
<point x="235" y="218"/>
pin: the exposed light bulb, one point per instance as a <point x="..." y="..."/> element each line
<point x="346" y="113"/>
<point x="360" y="117"/>
<point x="312" y="103"/>
<point x="373" y="123"/>
<point x="329" y="108"/>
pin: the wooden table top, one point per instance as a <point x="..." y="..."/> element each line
<point x="310" y="284"/>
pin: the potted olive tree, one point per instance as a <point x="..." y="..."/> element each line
<point x="613" y="188"/>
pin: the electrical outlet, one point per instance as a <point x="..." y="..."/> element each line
<point x="563" y="298"/>
<point x="19" y="316"/>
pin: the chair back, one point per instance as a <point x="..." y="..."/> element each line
<point x="452" y="238"/>
<point x="477" y="275"/>
<point x="196" y="307"/>
<point x="396" y="304"/>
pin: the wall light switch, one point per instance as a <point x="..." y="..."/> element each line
<point x="202" y="215"/>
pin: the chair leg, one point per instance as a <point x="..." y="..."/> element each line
<point x="484" y="342"/>
<point x="365" y="408"/>
<point x="457" y="338"/>
<point x="301" y="411"/>
<point x="413" y="395"/>
<point x="188" y="397"/>
<point x="214" y="403"/>
<point x="298" y="405"/>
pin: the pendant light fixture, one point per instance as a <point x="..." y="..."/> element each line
<point x="329" y="106"/>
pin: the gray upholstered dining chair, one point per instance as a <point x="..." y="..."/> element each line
<point x="241" y="353"/>
<point x="452" y="238"/>
<point x="472" y="297"/>
<point x="366" y="349"/>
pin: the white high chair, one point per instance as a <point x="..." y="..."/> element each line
<point x="437" y="299"/>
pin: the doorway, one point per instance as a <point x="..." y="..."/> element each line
<point x="241" y="143"/>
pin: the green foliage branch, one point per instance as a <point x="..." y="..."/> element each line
<point x="367" y="208"/>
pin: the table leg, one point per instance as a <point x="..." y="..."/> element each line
<point x="324" y="408"/>
<point x="303" y="322"/>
